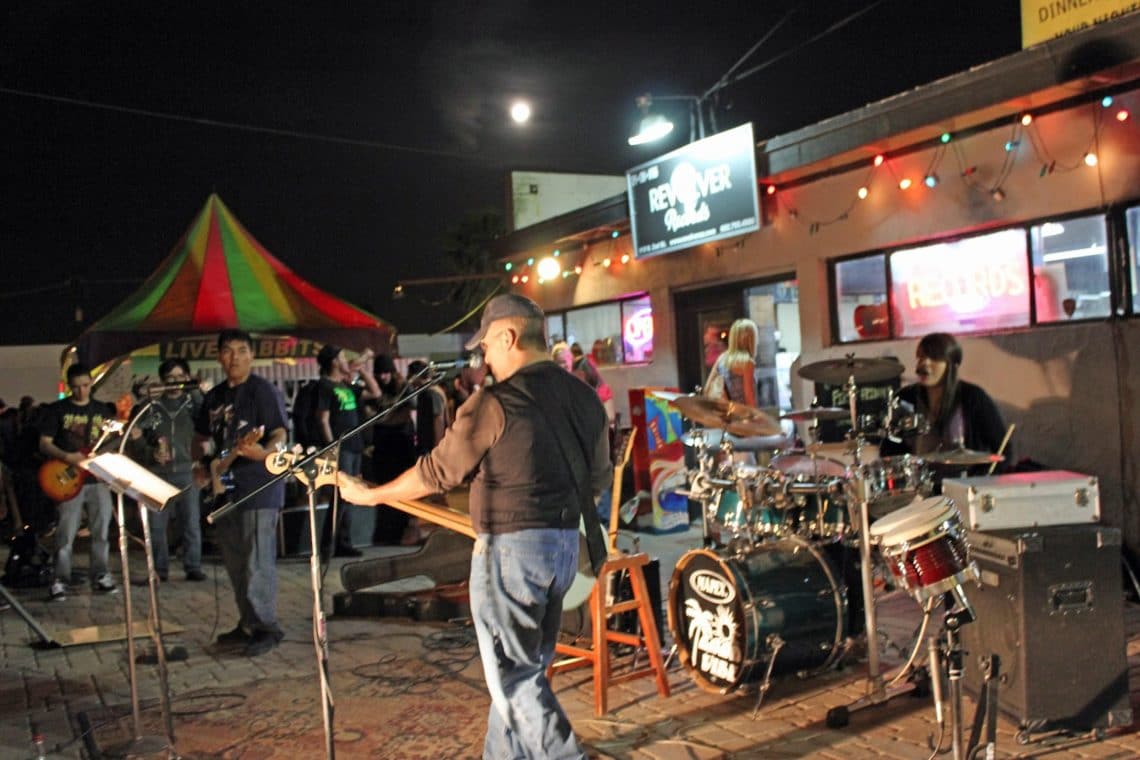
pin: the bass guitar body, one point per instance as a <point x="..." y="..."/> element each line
<point x="61" y="481"/>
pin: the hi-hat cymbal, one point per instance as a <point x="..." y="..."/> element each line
<point x="838" y="371"/>
<point x="737" y="419"/>
<point x="962" y="457"/>
<point x="816" y="413"/>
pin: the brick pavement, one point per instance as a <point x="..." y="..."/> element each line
<point x="52" y="691"/>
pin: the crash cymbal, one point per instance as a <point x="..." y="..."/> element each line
<point x="962" y="457"/>
<point x="738" y="419"/>
<point x="816" y="413"/>
<point x="837" y="371"/>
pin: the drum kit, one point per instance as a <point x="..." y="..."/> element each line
<point x="784" y="580"/>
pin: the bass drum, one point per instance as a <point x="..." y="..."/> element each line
<point x="782" y="603"/>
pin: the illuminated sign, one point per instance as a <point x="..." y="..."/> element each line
<point x="704" y="191"/>
<point x="978" y="283"/>
<point x="638" y="335"/>
<point x="1043" y="20"/>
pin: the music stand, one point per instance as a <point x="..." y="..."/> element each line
<point x="125" y="477"/>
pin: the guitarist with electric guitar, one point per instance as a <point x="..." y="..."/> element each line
<point x="534" y="447"/>
<point x="69" y="429"/>
<point x="245" y="415"/>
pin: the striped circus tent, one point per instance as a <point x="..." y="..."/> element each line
<point x="219" y="276"/>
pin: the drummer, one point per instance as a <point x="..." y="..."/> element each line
<point x="959" y="414"/>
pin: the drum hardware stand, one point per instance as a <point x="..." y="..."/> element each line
<point x="987" y="709"/>
<point x="775" y="643"/>
<point x="877" y="691"/>
<point x="958" y="613"/>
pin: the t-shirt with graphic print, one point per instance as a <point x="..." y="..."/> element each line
<point x="342" y="402"/>
<point x="74" y="427"/>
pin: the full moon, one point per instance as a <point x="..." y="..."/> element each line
<point x="520" y="112"/>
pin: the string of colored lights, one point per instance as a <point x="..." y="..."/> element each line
<point x="1025" y="126"/>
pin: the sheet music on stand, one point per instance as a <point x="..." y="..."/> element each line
<point x="128" y="477"/>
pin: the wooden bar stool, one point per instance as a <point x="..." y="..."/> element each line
<point x="598" y="655"/>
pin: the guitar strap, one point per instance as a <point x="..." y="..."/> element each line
<point x="579" y="473"/>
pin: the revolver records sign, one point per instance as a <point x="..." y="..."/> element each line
<point x="702" y="192"/>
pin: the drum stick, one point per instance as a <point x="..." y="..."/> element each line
<point x="1004" y="443"/>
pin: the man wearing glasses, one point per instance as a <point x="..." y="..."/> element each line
<point x="535" y="450"/>
<point x="160" y="441"/>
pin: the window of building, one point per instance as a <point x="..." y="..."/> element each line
<point x="1132" y="223"/>
<point x="1055" y="270"/>
<point x="617" y="332"/>
<point x="1070" y="269"/>
<point x="968" y="285"/>
<point x="861" y="299"/>
<point x="775" y="308"/>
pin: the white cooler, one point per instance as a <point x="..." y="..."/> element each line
<point x="1025" y="499"/>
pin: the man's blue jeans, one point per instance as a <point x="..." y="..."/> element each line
<point x="517" y="584"/>
<point x="186" y="506"/>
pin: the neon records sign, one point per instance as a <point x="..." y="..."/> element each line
<point x="702" y="192"/>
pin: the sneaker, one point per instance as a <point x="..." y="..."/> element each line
<point x="58" y="590"/>
<point x="195" y="575"/>
<point x="260" y="643"/>
<point x="236" y="636"/>
<point x="104" y="584"/>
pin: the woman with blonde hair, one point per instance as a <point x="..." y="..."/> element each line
<point x="733" y="375"/>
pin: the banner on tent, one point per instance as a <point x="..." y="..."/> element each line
<point x="199" y="347"/>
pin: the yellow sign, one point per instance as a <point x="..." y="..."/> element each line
<point x="1043" y="20"/>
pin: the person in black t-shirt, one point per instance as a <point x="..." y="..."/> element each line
<point x="69" y="429"/>
<point x="243" y="407"/>
<point x="338" y="411"/>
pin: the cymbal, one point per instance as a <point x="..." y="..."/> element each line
<point x="816" y="413"/>
<point x="737" y="419"/>
<point x="837" y="371"/>
<point x="962" y="457"/>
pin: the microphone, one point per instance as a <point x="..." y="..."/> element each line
<point x="474" y="361"/>
<point x="182" y="385"/>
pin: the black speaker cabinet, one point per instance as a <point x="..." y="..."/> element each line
<point x="1050" y="606"/>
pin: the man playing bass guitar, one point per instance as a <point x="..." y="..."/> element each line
<point x="71" y="426"/>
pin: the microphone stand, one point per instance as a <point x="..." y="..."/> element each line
<point x="314" y="470"/>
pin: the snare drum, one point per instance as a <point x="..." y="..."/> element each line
<point x="797" y="464"/>
<point x="925" y="547"/>
<point x="894" y="482"/>
<point x="781" y="604"/>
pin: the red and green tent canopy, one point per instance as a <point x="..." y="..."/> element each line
<point x="219" y="276"/>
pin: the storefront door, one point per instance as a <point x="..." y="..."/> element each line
<point x="704" y="317"/>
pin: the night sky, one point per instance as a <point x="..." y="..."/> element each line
<point x="359" y="133"/>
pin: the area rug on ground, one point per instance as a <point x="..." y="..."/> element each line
<point x="398" y="707"/>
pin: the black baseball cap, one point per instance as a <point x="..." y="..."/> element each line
<point x="503" y="307"/>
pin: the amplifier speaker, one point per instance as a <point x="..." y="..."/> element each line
<point x="1050" y="605"/>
